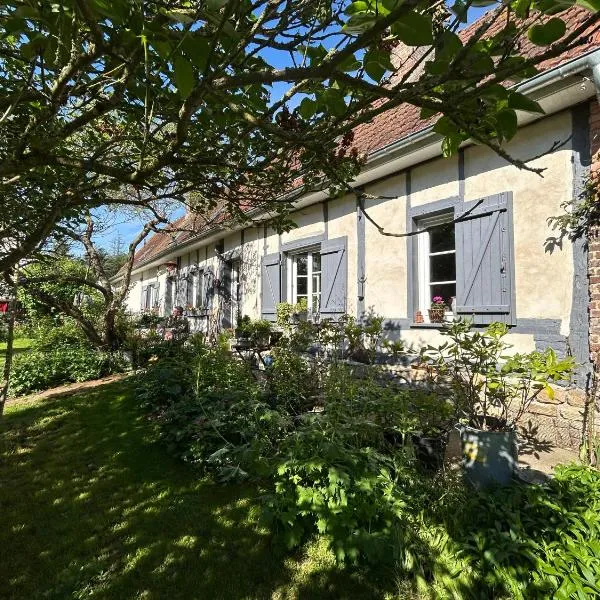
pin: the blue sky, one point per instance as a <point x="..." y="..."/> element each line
<point x="128" y="229"/>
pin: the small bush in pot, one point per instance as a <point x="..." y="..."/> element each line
<point x="491" y="390"/>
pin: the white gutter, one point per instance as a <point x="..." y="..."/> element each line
<point x="555" y="90"/>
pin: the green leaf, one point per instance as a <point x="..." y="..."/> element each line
<point x="376" y="63"/>
<point x="334" y="99"/>
<point x="519" y="101"/>
<point x="591" y="5"/>
<point x="451" y="144"/>
<point x="358" y="23"/>
<point x="216" y="4"/>
<point x="356" y="7"/>
<point x="181" y="16"/>
<point x="427" y="113"/>
<point x="307" y="108"/>
<point x="444" y="126"/>
<point x="506" y="123"/>
<point x="552" y="7"/>
<point x="184" y="76"/>
<point x="543" y="35"/>
<point x="414" y="29"/>
<point x="197" y="50"/>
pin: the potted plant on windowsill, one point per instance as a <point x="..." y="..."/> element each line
<point x="437" y="311"/>
<point x="300" y="313"/>
<point x="490" y="391"/>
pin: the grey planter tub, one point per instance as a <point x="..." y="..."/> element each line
<point x="488" y="457"/>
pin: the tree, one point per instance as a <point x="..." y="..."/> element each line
<point x="128" y="101"/>
<point x="83" y="289"/>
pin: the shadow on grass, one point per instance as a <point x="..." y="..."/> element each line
<point x="90" y="506"/>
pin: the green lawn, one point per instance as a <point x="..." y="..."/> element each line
<point x="92" y="507"/>
<point x="19" y="345"/>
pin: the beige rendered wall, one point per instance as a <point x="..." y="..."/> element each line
<point x="386" y="257"/>
<point x="309" y="222"/>
<point x="543" y="279"/>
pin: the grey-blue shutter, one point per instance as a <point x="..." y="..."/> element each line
<point x="270" y="286"/>
<point x="485" y="260"/>
<point x="182" y="289"/>
<point x="157" y="295"/>
<point x="334" y="276"/>
<point x="144" y="297"/>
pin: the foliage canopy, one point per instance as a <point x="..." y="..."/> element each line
<point x="128" y="101"/>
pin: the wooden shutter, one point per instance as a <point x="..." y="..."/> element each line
<point x="270" y="286"/>
<point x="209" y="280"/>
<point x="144" y="302"/>
<point x="334" y="275"/>
<point x="182" y="283"/>
<point x="485" y="260"/>
<point x="156" y="299"/>
<point x="200" y="295"/>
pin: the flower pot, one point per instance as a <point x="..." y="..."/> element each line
<point x="488" y="457"/>
<point x="243" y="342"/>
<point x="437" y="315"/>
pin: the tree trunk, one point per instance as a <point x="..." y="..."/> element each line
<point x="9" y="345"/>
<point x="111" y="340"/>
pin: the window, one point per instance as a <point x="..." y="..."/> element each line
<point x="305" y="282"/>
<point x="437" y="262"/>
<point x="149" y="296"/>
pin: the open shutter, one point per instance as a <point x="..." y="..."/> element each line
<point x="270" y="286"/>
<point x="144" y="302"/>
<point x="156" y="301"/>
<point x="334" y="275"/>
<point x="485" y="261"/>
<point x="209" y="285"/>
<point x="182" y="288"/>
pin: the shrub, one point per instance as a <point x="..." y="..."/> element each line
<point x="60" y="354"/>
<point x="42" y="369"/>
<point x="489" y="387"/>
<point x="528" y="541"/>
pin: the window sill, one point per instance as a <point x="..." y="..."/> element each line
<point x="427" y="325"/>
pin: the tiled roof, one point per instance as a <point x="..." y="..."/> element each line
<point x="399" y="122"/>
<point x="386" y="128"/>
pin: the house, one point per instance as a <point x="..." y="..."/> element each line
<point x="496" y="263"/>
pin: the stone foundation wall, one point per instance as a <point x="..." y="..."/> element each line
<point x="557" y="420"/>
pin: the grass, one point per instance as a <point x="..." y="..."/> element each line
<point x="92" y="507"/>
<point x="19" y="345"/>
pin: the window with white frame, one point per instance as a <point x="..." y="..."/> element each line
<point x="304" y="281"/>
<point x="149" y="296"/>
<point x="195" y="290"/>
<point x="436" y="262"/>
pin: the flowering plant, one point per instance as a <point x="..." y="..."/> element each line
<point x="437" y="302"/>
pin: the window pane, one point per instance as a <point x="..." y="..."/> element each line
<point x="302" y="264"/>
<point x="446" y="291"/>
<point x="442" y="267"/>
<point x="301" y="286"/>
<point x="316" y="258"/>
<point x="316" y="283"/>
<point x="442" y="238"/>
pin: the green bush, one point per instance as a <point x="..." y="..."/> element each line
<point x="331" y="443"/>
<point x="38" y="370"/>
<point x="58" y="355"/>
<point x="532" y="541"/>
